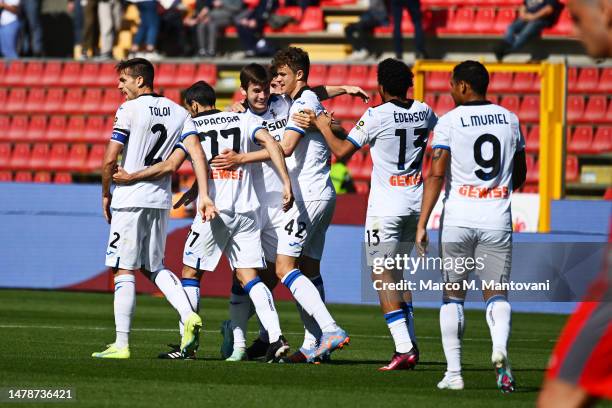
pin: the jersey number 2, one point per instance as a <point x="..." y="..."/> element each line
<point x="163" y="135"/>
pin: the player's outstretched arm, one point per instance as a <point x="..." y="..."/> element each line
<point x="155" y="172"/>
<point x="431" y="192"/>
<point x="340" y="148"/>
<point x="337" y="90"/>
<point x="519" y="171"/>
<point x="206" y="206"/>
<point x="109" y="164"/>
<point x="278" y="159"/>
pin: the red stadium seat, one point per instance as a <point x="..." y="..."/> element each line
<point x="73" y="101"/>
<point x="37" y="129"/>
<point x="185" y="75"/>
<point x="504" y="18"/>
<point x="39" y="157"/>
<point x="57" y="129"/>
<point x="174" y="94"/>
<point x="595" y="110"/>
<point x="111" y="101"/>
<point x="500" y="82"/>
<point x="75" y="131"/>
<point x="70" y="74"/>
<point x="588" y="80"/>
<point x="445" y="103"/>
<point x="42" y="177"/>
<point x="62" y="178"/>
<point x="375" y="99"/>
<point x="208" y="73"/>
<point x="572" y="171"/>
<point x="89" y="74"/>
<point x="6" y="176"/>
<point x="484" y="21"/>
<point x="20" y="158"/>
<point x="529" y="110"/>
<point x="605" y="81"/>
<point x="33" y="73"/>
<point x="35" y="100"/>
<point x="533" y="139"/>
<point x="3" y="98"/>
<point x="18" y="129"/>
<point x="52" y="73"/>
<point x="354" y="164"/>
<point x="366" y="167"/>
<point x="16" y="100"/>
<point x="5" y="123"/>
<point x="337" y="75"/>
<point x="358" y="75"/>
<point x="166" y="75"/>
<point x="58" y="157"/>
<point x="581" y="140"/>
<point x="317" y="74"/>
<point x="459" y="22"/>
<point x="572" y="78"/>
<point x="372" y="81"/>
<point x="430" y="99"/>
<point x="107" y="76"/>
<point x="92" y="101"/>
<point x="511" y="102"/>
<point x="563" y="26"/>
<point x="575" y="108"/>
<point x="5" y="155"/>
<point x="95" y="131"/>
<point x="23" y="177"/>
<point x="54" y="101"/>
<point x="437" y="81"/>
<point x="602" y="142"/>
<point x="15" y="73"/>
<point x="312" y="20"/>
<point x="77" y="157"/>
<point x="343" y="107"/>
<point x="94" y="159"/>
<point x="525" y="82"/>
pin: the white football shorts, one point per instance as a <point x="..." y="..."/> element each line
<point x="270" y="222"/>
<point x="387" y="236"/>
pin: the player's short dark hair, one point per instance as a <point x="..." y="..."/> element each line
<point x="138" y="67"/>
<point x="395" y="77"/>
<point x="255" y="74"/>
<point x="295" y="58"/>
<point x="474" y="74"/>
<point x="202" y="93"/>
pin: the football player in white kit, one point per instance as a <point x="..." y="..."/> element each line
<point x="235" y="232"/>
<point x="147" y="127"/>
<point x="271" y="106"/>
<point x="397" y="131"/>
<point x="478" y="146"/>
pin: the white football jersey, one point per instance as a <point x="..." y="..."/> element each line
<point x="231" y="190"/>
<point x="483" y="139"/>
<point x="149" y="127"/>
<point x="267" y="182"/>
<point x="397" y="133"/>
<point x="311" y="160"/>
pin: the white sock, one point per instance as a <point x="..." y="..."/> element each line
<point x="264" y="307"/>
<point x="124" y="303"/>
<point x="452" y="324"/>
<point x="306" y="294"/>
<point x="191" y="286"/>
<point x="172" y="289"/>
<point x="312" y="331"/>
<point x="499" y="321"/>
<point x="409" y="314"/>
<point x="239" y="311"/>
<point x="396" y="321"/>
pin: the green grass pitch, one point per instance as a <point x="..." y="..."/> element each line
<point x="47" y="338"/>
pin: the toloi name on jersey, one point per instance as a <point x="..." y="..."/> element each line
<point x="402" y="117"/>
<point x="163" y="111"/>
<point x="485" y="120"/>
<point x="216" y="120"/>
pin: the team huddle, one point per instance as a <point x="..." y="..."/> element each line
<point x="265" y="200"/>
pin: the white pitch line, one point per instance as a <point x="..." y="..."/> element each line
<point x="151" y="329"/>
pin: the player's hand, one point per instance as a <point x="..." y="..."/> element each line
<point x="324" y="120"/>
<point x="227" y="160"/>
<point x="421" y="241"/>
<point x="357" y="91"/>
<point x="287" y="198"/>
<point x="237" y="107"/>
<point x="186" y="198"/>
<point x="207" y="209"/>
<point x="106" y="202"/>
<point x="122" y="177"/>
<point x="304" y="118"/>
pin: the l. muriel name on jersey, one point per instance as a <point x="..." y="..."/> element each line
<point x="484" y="120"/>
